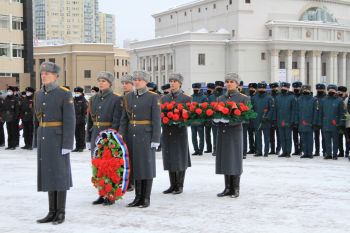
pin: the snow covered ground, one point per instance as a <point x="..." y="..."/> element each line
<point x="277" y="195"/>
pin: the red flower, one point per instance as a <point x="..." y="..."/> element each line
<point x="185" y="114"/>
<point x="170" y="106"/>
<point x="102" y="193"/>
<point x="225" y="111"/>
<point x="162" y="115"/>
<point x="334" y="122"/>
<point x="213" y="104"/>
<point x="194" y="103"/>
<point x="204" y="105"/>
<point x="118" y="192"/>
<point x="102" y="182"/>
<point x="180" y="106"/>
<point x="209" y="112"/>
<point x="170" y="115"/>
<point x="111" y="197"/>
<point x="199" y="111"/>
<point x="304" y="122"/>
<point x="237" y="112"/>
<point x="165" y="120"/>
<point x="112" y="146"/>
<point x="176" y="110"/>
<point x="108" y="188"/>
<point x="176" y="117"/>
<point x="283" y="123"/>
<point x="232" y="104"/>
<point x="163" y="106"/>
<point x="99" y="145"/>
<point x="192" y="108"/>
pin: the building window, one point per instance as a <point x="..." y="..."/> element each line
<point x="201" y="59"/>
<point x="126" y="62"/>
<point x="122" y="62"/>
<point x="41" y="61"/>
<point x="117" y="75"/>
<point x="17" y="23"/>
<point x="230" y="2"/>
<point x="171" y="16"/>
<point x="282" y="65"/>
<point x="214" y="6"/>
<point x="233" y="33"/>
<point x="17" y="51"/>
<point x="87" y="89"/>
<point x="199" y="10"/>
<point x="247" y="1"/>
<point x="53" y="60"/>
<point x="185" y="13"/>
<point x="263" y="56"/>
<point x="159" y="20"/>
<point x="4" y="21"/>
<point x="4" y="50"/>
<point x="117" y="62"/>
<point x="294" y="65"/>
<point x="270" y="32"/>
<point x="324" y="69"/>
<point x="87" y="73"/>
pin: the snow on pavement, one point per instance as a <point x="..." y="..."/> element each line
<point x="277" y="195"/>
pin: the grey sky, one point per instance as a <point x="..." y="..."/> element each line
<point x="133" y="17"/>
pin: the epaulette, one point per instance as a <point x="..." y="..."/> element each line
<point x="116" y="94"/>
<point x="187" y="95"/>
<point x="243" y="94"/>
<point x="64" y="88"/>
<point x="152" y="92"/>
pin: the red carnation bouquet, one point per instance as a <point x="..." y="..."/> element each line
<point x="110" y="165"/>
<point x="173" y="113"/>
<point x="198" y="113"/>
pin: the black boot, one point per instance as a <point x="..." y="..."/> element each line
<point x="172" y="178"/>
<point x="234" y="186"/>
<point x="226" y="191"/>
<point x="146" y="193"/>
<point x="61" y="208"/>
<point x="52" y="208"/>
<point x="99" y="201"/>
<point x="137" y="199"/>
<point x="180" y="179"/>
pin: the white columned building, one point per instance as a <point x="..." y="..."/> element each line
<point x="270" y="40"/>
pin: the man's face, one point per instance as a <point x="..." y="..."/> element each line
<point x="174" y="85"/>
<point x="139" y="83"/>
<point x="103" y="84"/>
<point x="47" y="77"/>
<point x="127" y="87"/>
<point x="231" y="85"/>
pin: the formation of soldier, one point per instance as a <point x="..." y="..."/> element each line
<point x="54" y="115"/>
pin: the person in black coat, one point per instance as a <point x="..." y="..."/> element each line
<point x="80" y="107"/>
<point x="10" y="116"/>
<point x="27" y="118"/>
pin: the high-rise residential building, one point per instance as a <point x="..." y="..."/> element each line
<point x="107" y="28"/>
<point x="16" y="43"/>
<point x="67" y="21"/>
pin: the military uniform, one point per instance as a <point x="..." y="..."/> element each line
<point x="341" y="90"/>
<point x="263" y="105"/>
<point x="208" y="125"/>
<point x="80" y="107"/>
<point x="317" y="131"/>
<point x="198" y="128"/>
<point x="219" y="85"/>
<point x="10" y="116"/>
<point x="229" y="155"/>
<point x="140" y="125"/>
<point x="305" y="118"/>
<point x="285" y="110"/>
<point x="331" y="118"/>
<point x="54" y="110"/>
<point x="2" y="133"/>
<point x="26" y="112"/>
<point x="251" y="133"/>
<point x="175" y="151"/>
<point x="275" y="141"/>
<point x="295" y="130"/>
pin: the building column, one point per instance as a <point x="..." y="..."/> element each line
<point x="159" y="70"/>
<point x="313" y="69"/>
<point x="342" y="69"/>
<point x="318" y="66"/>
<point x="302" y="66"/>
<point x="289" y="65"/>
<point x="335" y="68"/>
<point x="274" y="59"/>
<point x="330" y="68"/>
<point x="348" y="70"/>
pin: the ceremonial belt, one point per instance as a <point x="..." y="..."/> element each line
<point x="145" y="122"/>
<point x="51" y="124"/>
<point x="106" y="124"/>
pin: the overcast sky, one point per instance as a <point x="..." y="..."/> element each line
<point x="133" y="17"/>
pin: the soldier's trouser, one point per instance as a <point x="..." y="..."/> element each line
<point x="2" y="134"/>
<point x="198" y="129"/>
<point x="258" y="140"/>
<point x="80" y="136"/>
<point x="318" y="132"/>
<point x="347" y="141"/>
<point x="307" y="144"/>
<point x="274" y="130"/>
<point x="296" y="140"/>
<point x="332" y="142"/>
<point x="245" y="134"/>
<point x="11" y="133"/>
<point x="208" y="137"/>
<point x="341" y="143"/>
<point x="28" y="133"/>
<point x="251" y="139"/>
<point x="17" y="132"/>
<point x="286" y="139"/>
<point x="215" y="133"/>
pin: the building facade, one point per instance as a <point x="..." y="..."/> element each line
<point x="81" y="63"/>
<point x="16" y="43"/>
<point x="107" y="28"/>
<point x="272" y="40"/>
<point x="70" y="21"/>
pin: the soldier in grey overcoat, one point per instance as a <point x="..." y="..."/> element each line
<point x="140" y="125"/>
<point x="104" y="112"/>
<point x="54" y="110"/>
<point x="229" y="154"/>
<point x="175" y="151"/>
